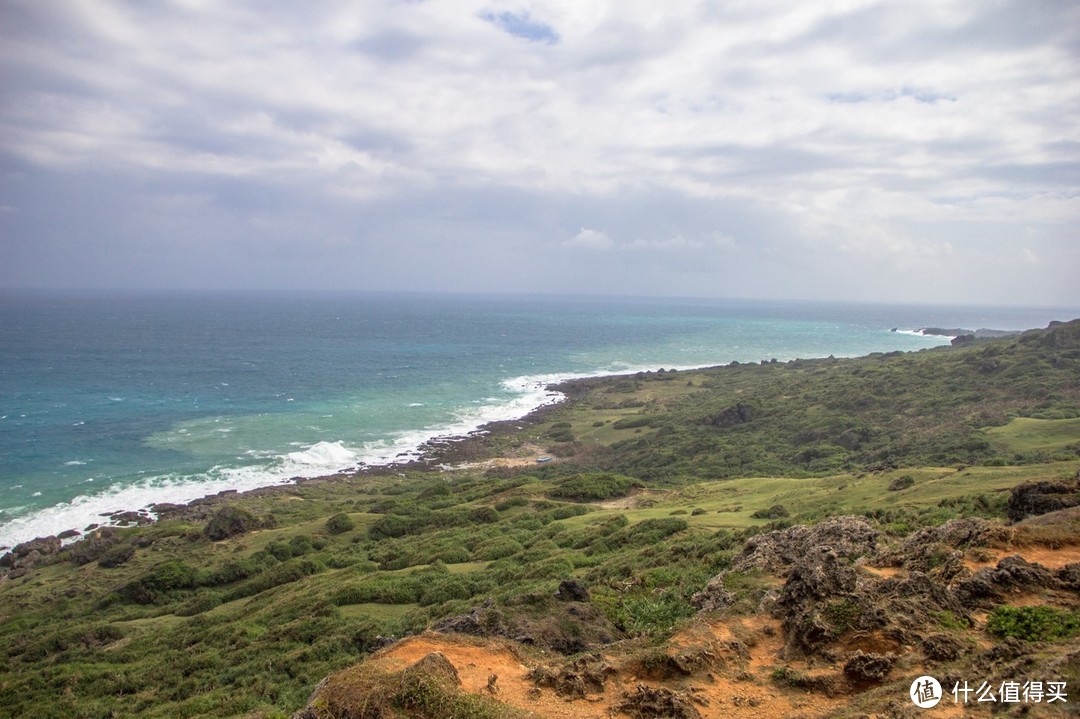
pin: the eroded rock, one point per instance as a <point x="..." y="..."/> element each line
<point x="645" y="702"/>
<point x="776" y="552"/>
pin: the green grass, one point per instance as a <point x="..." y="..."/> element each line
<point x="1024" y="434"/>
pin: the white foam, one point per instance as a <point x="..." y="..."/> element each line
<point x="74" y="463"/>
<point x="323" y="454"/>
<point x="322" y="458"/>
<point x="923" y="334"/>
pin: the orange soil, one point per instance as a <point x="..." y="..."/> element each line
<point x="1049" y="558"/>
<point x="735" y="689"/>
<point x="732" y="694"/>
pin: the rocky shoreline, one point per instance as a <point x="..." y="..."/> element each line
<point x="434" y="455"/>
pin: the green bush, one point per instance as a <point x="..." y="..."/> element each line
<point x="594" y="486"/>
<point x="389" y="525"/>
<point x="340" y="523"/>
<point x="511" y="503"/>
<point x="777" y="511"/>
<point x="650" y="531"/>
<point x="160" y="583"/>
<point x="901" y="483"/>
<point x="230" y="521"/>
<point x="1034" y="624"/>
<point x="483" y="515"/>
<point x="116" y="555"/>
<point x="498" y="549"/>
<point x="632" y="422"/>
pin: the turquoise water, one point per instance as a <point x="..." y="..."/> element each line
<point x="112" y="402"/>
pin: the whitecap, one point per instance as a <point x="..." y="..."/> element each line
<point x="74" y="463"/>
<point x="317" y="460"/>
<point x="36" y="494"/>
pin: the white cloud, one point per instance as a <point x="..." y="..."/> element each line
<point x="849" y="128"/>
<point x="590" y="240"/>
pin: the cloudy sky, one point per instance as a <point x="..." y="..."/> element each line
<point x="902" y="150"/>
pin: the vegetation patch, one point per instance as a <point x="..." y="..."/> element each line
<point x="594" y="486"/>
<point x="1034" y="624"/>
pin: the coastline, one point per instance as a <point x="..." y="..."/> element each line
<point x="433" y="454"/>
<point x="438" y="454"/>
<point x="437" y="450"/>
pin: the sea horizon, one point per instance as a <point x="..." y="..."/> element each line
<point x="112" y="405"/>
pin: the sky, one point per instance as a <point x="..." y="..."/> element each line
<point x="867" y="150"/>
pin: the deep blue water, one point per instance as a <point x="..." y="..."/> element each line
<point x="116" y="401"/>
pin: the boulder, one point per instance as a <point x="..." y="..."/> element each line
<point x="731" y="416"/>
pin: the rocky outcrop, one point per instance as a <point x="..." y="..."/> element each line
<point x="776" y="552"/>
<point x="576" y="680"/>
<point x="645" y="702"/>
<point x="93" y="547"/>
<point x="818" y="601"/>
<point x="862" y="667"/>
<point x="567" y="627"/>
<point x="432" y="684"/>
<point x="989" y="586"/>
<point x="933" y="548"/>
<point x="942" y="647"/>
<point x="1035" y="498"/>
<point x="23" y="557"/>
<point x="713" y="597"/>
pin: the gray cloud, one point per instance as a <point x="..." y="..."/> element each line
<point x="850" y="150"/>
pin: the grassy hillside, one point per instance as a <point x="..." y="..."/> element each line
<point x="240" y="606"/>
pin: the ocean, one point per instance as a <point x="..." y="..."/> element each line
<point x="116" y="401"/>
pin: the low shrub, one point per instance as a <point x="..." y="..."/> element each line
<point x="340" y="523"/>
<point x="160" y="584"/>
<point x="777" y="511"/>
<point x="594" y="486"/>
<point x="230" y="521"/>
<point x="1034" y="624"/>
<point x="901" y="483"/>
